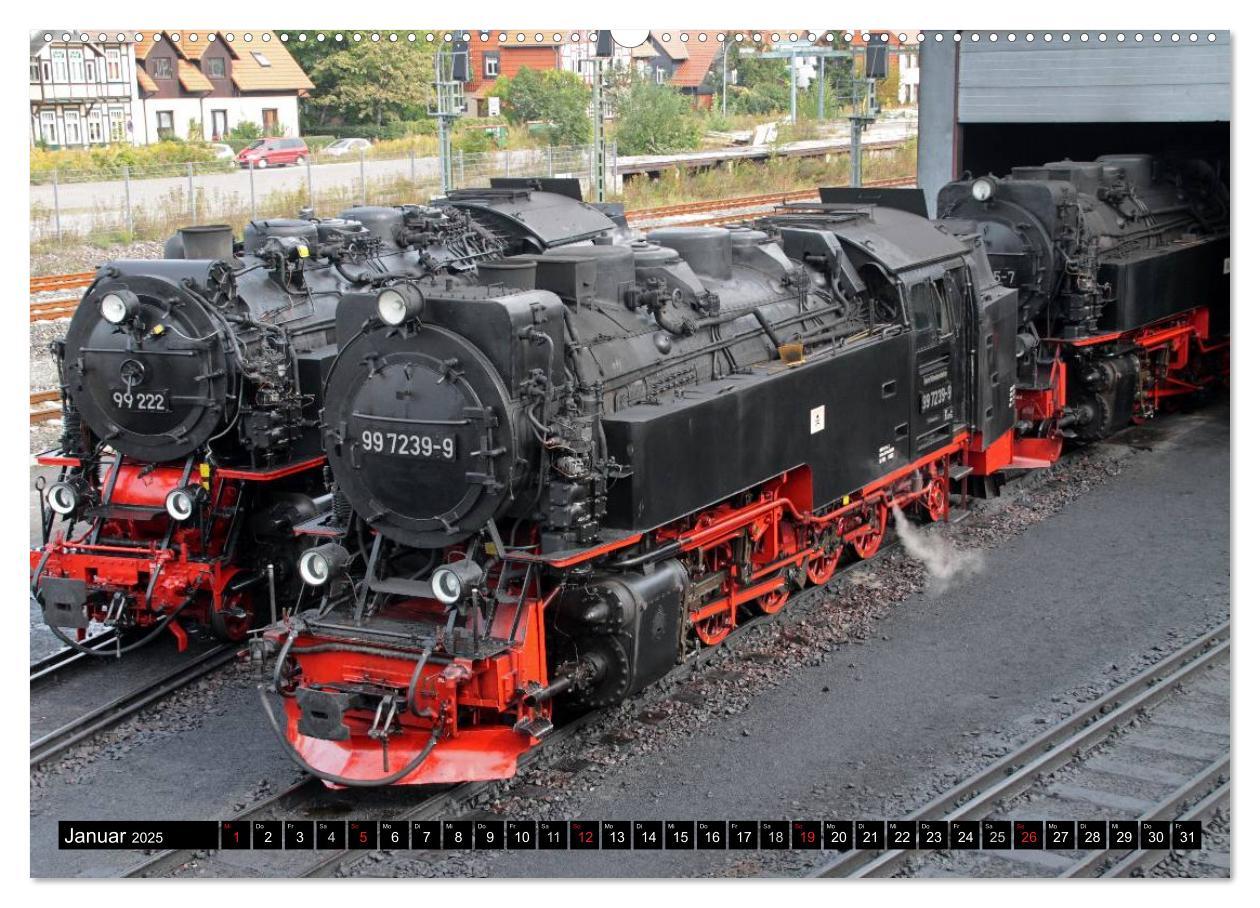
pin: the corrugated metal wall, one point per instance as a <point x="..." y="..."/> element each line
<point x="1094" y="81"/>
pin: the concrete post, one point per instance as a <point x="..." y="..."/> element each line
<point x="57" y="203"/>
<point x="192" y="195"/>
<point x="131" y="220"/>
<point x="310" y="184"/>
<point x="363" y="175"/>
<point x="253" y="199"/>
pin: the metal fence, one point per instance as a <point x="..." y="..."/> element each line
<point x="151" y="202"/>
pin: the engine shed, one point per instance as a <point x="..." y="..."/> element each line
<point x="988" y="105"/>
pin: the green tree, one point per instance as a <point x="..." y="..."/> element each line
<point x="560" y="99"/>
<point x="373" y="81"/>
<point x="654" y="119"/>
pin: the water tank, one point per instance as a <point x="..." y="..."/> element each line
<point x="383" y="223"/>
<point x="614" y="267"/>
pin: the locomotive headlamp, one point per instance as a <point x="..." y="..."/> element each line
<point x="452" y="582"/>
<point x="65" y="497"/>
<point x="399" y="303"/>
<point x="181" y="503"/>
<point x="119" y="306"/>
<point x="319" y="565"/>
<point x="982" y="189"/>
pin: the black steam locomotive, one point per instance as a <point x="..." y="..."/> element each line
<point x="191" y="389"/>
<point x="1122" y="265"/>
<point x="547" y="483"/>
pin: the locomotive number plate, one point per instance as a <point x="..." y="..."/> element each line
<point x="436" y="446"/>
<point x="156" y="400"/>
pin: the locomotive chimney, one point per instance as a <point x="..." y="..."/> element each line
<point x="207" y="241"/>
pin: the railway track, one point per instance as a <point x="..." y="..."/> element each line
<point x="1109" y="745"/>
<point x="47" y="668"/>
<point x="49" y="282"/>
<point x="45" y="405"/>
<point x="57" y="741"/>
<point x="50" y="310"/>
<point x="768" y="200"/>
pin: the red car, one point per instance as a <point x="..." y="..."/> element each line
<point x="264" y="153"/>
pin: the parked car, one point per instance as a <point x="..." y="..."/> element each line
<point x="273" y="152"/>
<point x="343" y="147"/>
<point x="222" y="152"/>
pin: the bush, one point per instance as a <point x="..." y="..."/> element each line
<point x="106" y="161"/>
<point x="242" y="134"/>
<point x="655" y="119"/>
<point x="561" y="100"/>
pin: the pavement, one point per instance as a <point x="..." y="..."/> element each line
<point x="1135" y="565"/>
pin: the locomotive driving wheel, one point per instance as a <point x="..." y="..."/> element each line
<point x="867" y="543"/>
<point x="769" y="603"/>
<point x="936" y="497"/>
<point x="232" y="620"/>
<point x="822" y="568"/>
<point x="714" y="629"/>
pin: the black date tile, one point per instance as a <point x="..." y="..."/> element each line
<point x="299" y="834"/>
<point x="522" y="834"/>
<point x="426" y="835"/>
<point x="995" y="834"/>
<point x="964" y="834"/>
<point x="488" y="834"/>
<point x="1187" y="834"/>
<point x="330" y="835"/>
<point x="837" y="835"/>
<point x="901" y="834"/>
<point x="1091" y="834"/>
<point x="615" y="835"/>
<point x="583" y="835"/>
<point x="1030" y="835"/>
<point x="1122" y="834"/>
<point x="393" y="834"/>
<point x="806" y="834"/>
<point x="774" y="834"/>
<point x="457" y="835"/>
<point x="711" y="835"/>
<point x="869" y="835"/>
<point x="742" y="834"/>
<point x="648" y="835"/>
<point x="1061" y="835"/>
<point x="267" y="835"/>
<point x="933" y="834"/>
<point x="680" y="835"/>
<point x="553" y="835"/>
<point x="362" y="835"/>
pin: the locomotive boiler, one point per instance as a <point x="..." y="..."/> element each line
<point x="1122" y="269"/>
<point x="191" y="391"/>
<point x="549" y="484"/>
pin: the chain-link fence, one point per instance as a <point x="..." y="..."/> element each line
<point x="152" y="202"/>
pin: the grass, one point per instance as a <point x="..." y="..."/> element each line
<point x="777" y="174"/>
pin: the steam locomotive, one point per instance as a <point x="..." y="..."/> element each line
<point x="550" y="482"/>
<point x="191" y="389"/>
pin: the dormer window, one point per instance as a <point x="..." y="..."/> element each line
<point x="216" y="67"/>
<point x="162" y="68"/>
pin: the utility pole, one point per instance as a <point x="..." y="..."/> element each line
<point x="598" y="149"/>
<point x="448" y="102"/>
<point x="599" y="146"/>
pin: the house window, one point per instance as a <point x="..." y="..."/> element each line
<point x="492" y="66"/>
<point x="90" y="67"/>
<point x="117" y="124"/>
<point x="45" y="67"/>
<point x="660" y="75"/>
<point x="216" y="67"/>
<point x="59" y="65"/>
<point x="34" y="71"/>
<point x="73" y="134"/>
<point x="113" y="64"/>
<point x="48" y="126"/>
<point x="271" y="119"/>
<point x="166" y="124"/>
<point x="76" y="66"/>
<point x="261" y="58"/>
<point x="94" y="129"/>
<point x="218" y="124"/>
<point x="162" y="68"/>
